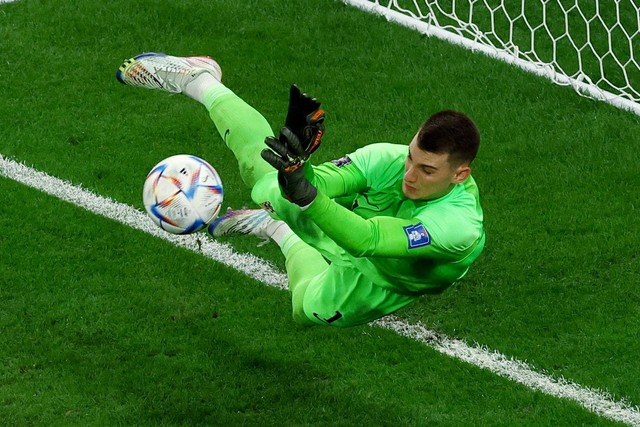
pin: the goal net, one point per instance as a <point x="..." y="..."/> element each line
<point x="591" y="45"/>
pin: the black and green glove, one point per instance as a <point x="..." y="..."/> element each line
<point x="305" y="120"/>
<point x="294" y="176"/>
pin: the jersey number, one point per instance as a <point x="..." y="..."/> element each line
<point x="330" y="320"/>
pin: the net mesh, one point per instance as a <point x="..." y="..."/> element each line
<point x="591" y="45"/>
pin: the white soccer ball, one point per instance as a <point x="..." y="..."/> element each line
<point x="182" y="194"/>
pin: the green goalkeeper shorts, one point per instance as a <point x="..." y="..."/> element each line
<point x="340" y="295"/>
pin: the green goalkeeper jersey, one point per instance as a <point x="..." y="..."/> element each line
<point x="410" y="246"/>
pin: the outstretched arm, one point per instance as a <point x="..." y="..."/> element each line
<point x="336" y="181"/>
<point x="381" y="236"/>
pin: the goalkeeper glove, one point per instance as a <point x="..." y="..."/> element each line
<point x="293" y="175"/>
<point x="305" y="120"/>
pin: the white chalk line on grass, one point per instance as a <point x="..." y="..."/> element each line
<point x="251" y="265"/>
<point x="594" y="400"/>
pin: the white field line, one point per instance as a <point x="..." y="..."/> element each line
<point x="251" y="265"/>
<point x="594" y="400"/>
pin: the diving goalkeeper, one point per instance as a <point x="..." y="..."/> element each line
<point x="364" y="235"/>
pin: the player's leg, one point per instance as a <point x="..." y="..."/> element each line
<point x="342" y="296"/>
<point x="242" y="128"/>
<point x="330" y="294"/>
<point x="335" y="294"/>
<point x="267" y="193"/>
<point x="303" y="263"/>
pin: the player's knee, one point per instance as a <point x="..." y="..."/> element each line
<point x="319" y="312"/>
<point x="298" y="291"/>
<point x="316" y="313"/>
<point x="301" y="318"/>
<point x="298" y="314"/>
<point x="264" y="187"/>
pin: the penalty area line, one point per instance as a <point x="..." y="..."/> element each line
<point x="593" y="400"/>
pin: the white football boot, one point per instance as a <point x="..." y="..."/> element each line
<point x="170" y="73"/>
<point x="242" y="221"/>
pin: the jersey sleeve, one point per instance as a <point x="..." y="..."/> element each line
<point x="372" y="166"/>
<point x="339" y="178"/>
<point x="380" y="163"/>
<point x="385" y="236"/>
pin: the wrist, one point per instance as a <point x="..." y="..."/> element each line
<point x="318" y="205"/>
<point x="307" y="196"/>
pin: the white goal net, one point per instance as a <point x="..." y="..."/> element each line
<point x="592" y="45"/>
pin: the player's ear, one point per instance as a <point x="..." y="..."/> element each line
<point x="462" y="172"/>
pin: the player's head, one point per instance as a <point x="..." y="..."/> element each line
<point x="440" y="155"/>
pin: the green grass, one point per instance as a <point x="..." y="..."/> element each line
<point x="103" y="325"/>
<point x="125" y="334"/>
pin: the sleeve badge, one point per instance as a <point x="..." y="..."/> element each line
<point x="341" y="162"/>
<point x="417" y="236"/>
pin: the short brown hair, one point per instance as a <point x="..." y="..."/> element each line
<point x="450" y="132"/>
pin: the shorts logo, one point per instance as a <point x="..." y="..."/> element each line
<point x="343" y="161"/>
<point x="417" y="236"/>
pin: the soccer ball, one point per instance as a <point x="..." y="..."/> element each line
<point x="182" y="194"/>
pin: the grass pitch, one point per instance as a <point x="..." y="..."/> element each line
<point x="103" y="325"/>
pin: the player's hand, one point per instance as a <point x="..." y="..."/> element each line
<point x="305" y="120"/>
<point x="293" y="175"/>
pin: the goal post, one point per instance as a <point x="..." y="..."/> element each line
<point x="593" y="46"/>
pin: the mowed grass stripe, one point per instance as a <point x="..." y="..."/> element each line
<point x="594" y="400"/>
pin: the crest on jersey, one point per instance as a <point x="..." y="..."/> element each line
<point x="342" y="161"/>
<point x="417" y="236"/>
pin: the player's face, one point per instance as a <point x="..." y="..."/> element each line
<point x="429" y="175"/>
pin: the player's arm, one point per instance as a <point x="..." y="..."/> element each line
<point x="378" y="236"/>
<point x="381" y="236"/>
<point x="340" y="178"/>
<point x="301" y="136"/>
<point x="298" y="139"/>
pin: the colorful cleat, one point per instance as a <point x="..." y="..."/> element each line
<point x="241" y="221"/>
<point x="165" y="72"/>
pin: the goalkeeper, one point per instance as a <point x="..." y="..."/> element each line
<point x="363" y="235"/>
